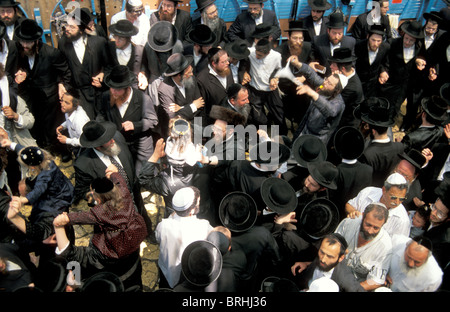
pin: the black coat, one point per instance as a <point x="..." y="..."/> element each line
<point x="368" y="73"/>
<point x="96" y="60"/>
<point x="244" y="26"/>
<point x="383" y="157"/>
<point x="11" y="60"/>
<point x="424" y="137"/>
<point x="202" y="63"/>
<point x="219" y="32"/>
<point x="342" y="275"/>
<point x="135" y="64"/>
<point x="309" y="25"/>
<point x="321" y="51"/>
<point x="352" y="95"/>
<point x="183" y="23"/>
<point x="360" y="27"/>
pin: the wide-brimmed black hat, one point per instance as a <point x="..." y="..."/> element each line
<point x="201" y="263"/>
<point x="176" y="63"/>
<point x="297" y="25"/>
<point x="363" y="107"/>
<point x="123" y="28"/>
<point x="201" y="35"/>
<point x="278" y="285"/>
<point x="324" y="173"/>
<point x="377" y="29"/>
<point x="263" y="30"/>
<point x="201" y="4"/>
<point x="96" y="133"/>
<point x="434" y="15"/>
<point x="237" y="49"/>
<point x="412" y="28"/>
<point x="81" y="17"/>
<point x="9" y="3"/>
<point x="444" y="92"/>
<point x="308" y="148"/>
<point x="51" y="276"/>
<point x="120" y="77"/>
<point x="269" y="152"/>
<point x="414" y="157"/>
<point x="319" y="218"/>
<point x="319" y="5"/>
<point x="278" y="195"/>
<point x="378" y="112"/>
<point x="31" y="156"/>
<point x="435" y="107"/>
<point x="2" y="30"/>
<point x="238" y="211"/>
<point x="102" y="282"/>
<point x="342" y="55"/>
<point x="349" y="143"/>
<point x="336" y="20"/>
<point x="29" y="30"/>
<point x="162" y="36"/>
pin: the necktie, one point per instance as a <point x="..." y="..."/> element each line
<point x="120" y="169"/>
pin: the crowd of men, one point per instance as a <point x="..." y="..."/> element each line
<point x="323" y="196"/>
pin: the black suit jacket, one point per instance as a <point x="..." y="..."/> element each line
<point x="342" y="275"/>
<point x="360" y="27"/>
<point x="304" y="57"/>
<point x="211" y="89"/>
<point x="135" y="64"/>
<point x="321" y="50"/>
<point x="88" y="167"/>
<point x="12" y="59"/>
<point x="368" y="73"/>
<point x="202" y="63"/>
<point x="244" y="26"/>
<point x="352" y="95"/>
<point x="309" y="25"/>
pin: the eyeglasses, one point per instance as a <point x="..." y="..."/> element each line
<point x="399" y="198"/>
<point x="211" y="13"/>
<point x="439" y="213"/>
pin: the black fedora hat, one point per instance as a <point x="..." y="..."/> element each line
<point x="51" y="276"/>
<point x="29" y="30"/>
<point x="336" y="20"/>
<point x="269" y="152"/>
<point x="435" y="107"/>
<point x="162" y="36"/>
<point x="201" y="4"/>
<point x="102" y="282"/>
<point x="320" y="217"/>
<point x="319" y="5"/>
<point x="237" y="49"/>
<point x="123" y="28"/>
<point x="81" y="17"/>
<point x="278" y="195"/>
<point x="8" y="3"/>
<point x="298" y="25"/>
<point x="120" y="77"/>
<point x="349" y="142"/>
<point x="176" y="63"/>
<point x="324" y="173"/>
<point x="434" y="15"/>
<point x="201" y="263"/>
<point x="102" y="185"/>
<point x="342" y="55"/>
<point x="309" y="148"/>
<point x="414" y="157"/>
<point x="363" y="107"/>
<point x="376" y="29"/>
<point x="278" y="285"/>
<point x="2" y="30"/>
<point x="31" y="156"/>
<point x="378" y="112"/>
<point x="96" y="133"/>
<point x="412" y="28"/>
<point x="202" y="35"/>
<point x="238" y="211"/>
<point x="444" y="92"/>
<point x="263" y="30"/>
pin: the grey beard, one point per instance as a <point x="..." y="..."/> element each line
<point x="212" y="23"/>
<point x="244" y="110"/>
<point x="112" y="151"/>
<point x="189" y="83"/>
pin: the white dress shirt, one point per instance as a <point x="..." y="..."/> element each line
<point x="123" y="56"/>
<point x="408" y="53"/>
<point x="74" y="124"/>
<point x="262" y="69"/>
<point x="79" y="46"/>
<point x="222" y="80"/>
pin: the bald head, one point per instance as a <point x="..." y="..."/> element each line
<point x="416" y="254"/>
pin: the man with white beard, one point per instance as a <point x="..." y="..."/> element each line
<point x="413" y="267"/>
<point x="209" y="16"/>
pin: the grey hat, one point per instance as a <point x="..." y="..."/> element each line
<point x="176" y="63"/>
<point x="162" y="36"/>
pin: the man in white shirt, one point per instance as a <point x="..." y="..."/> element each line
<point x="264" y="63"/>
<point x="134" y="10"/>
<point x="413" y="267"/>
<point x="391" y="195"/>
<point x="176" y="232"/>
<point x="369" y="246"/>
